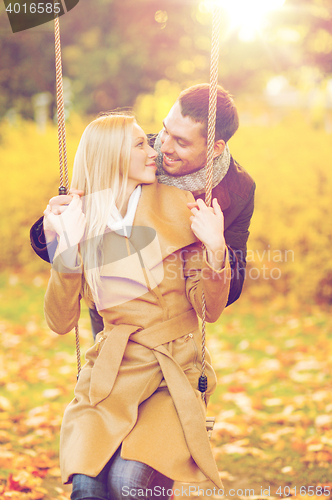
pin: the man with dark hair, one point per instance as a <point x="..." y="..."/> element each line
<point x="181" y="162"/>
<point x="194" y="102"/>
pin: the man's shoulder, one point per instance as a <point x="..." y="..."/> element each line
<point x="238" y="181"/>
<point x="236" y="188"/>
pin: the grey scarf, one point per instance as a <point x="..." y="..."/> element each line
<point x="194" y="182"/>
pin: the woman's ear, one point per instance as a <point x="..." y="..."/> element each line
<point x="219" y="147"/>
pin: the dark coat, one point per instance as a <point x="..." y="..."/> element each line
<point x="235" y="195"/>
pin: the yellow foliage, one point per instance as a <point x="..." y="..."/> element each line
<point x="29" y="177"/>
<point x="291" y="227"/>
<point x="151" y="109"/>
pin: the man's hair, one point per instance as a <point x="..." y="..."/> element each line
<point x="194" y="103"/>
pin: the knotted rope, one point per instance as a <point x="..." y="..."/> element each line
<point x="202" y="384"/>
<point x="64" y="182"/>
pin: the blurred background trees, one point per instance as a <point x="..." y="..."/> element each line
<point x="115" y="50"/>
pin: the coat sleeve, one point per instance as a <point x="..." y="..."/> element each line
<point x="200" y="276"/>
<point x="63" y="295"/>
<point x="236" y="237"/>
<point x="38" y="242"/>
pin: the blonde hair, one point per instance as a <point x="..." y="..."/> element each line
<point x="101" y="169"/>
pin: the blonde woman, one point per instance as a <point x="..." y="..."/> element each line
<point x="133" y="247"/>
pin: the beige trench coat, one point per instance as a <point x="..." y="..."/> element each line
<point x="139" y="384"/>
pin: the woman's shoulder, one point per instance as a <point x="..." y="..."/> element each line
<point x="169" y="193"/>
<point x="166" y="204"/>
<point x="164" y="208"/>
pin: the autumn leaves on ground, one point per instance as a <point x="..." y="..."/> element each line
<point x="271" y="350"/>
<point x="273" y="402"/>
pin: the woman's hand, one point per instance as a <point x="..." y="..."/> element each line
<point x="207" y="223"/>
<point x="69" y="225"/>
<point x="58" y="205"/>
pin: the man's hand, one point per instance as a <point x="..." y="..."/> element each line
<point x="208" y="226"/>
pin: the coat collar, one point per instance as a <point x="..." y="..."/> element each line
<point x="164" y="209"/>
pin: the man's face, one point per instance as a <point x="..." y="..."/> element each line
<point x="183" y="146"/>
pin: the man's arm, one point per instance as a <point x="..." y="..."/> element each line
<point x="38" y="242"/>
<point x="236" y="236"/>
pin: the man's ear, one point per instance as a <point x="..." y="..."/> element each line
<point x="219" y="147"/>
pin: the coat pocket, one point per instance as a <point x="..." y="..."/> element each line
<point x="190" y="340"/>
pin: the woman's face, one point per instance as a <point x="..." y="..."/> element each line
<point x="142" y="168"/>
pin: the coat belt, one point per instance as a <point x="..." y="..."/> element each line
<point x="113" y="349"/>
<point x="190" y="409"/>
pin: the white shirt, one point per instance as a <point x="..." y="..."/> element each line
<point x="123" y="225"/>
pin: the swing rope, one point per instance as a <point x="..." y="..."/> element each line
<point x="60" y="110"/>
<point x="63" y="189"/>
<point x="202" y="383"/>
<point x="64" y="181"/>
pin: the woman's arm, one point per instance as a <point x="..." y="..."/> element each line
<point x="201" y="276"/>
<point x="62" y="299"/>
<point x="207" y="271"/>
<point x="207" y="223"/>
